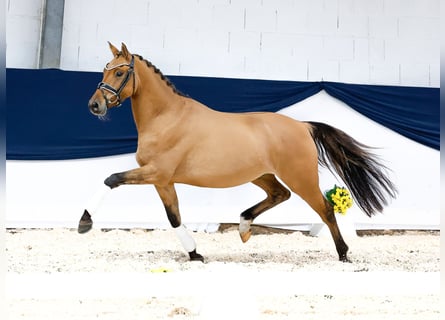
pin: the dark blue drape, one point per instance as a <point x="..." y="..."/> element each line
<point x="411" y="111"/>
<point x="241" y="95"/>
<point x="48" y="119"/>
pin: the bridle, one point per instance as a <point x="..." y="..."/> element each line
<point x="103" y="86"/>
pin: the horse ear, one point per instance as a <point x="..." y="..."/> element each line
<point x="125" y="53"/>
<point x="113" y="49"/>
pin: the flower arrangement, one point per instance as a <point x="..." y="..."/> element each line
<point x="340" y="198"/>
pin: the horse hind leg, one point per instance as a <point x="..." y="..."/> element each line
<point x="326" y="212"/>
<point x="276" y="193"/>
<point x="328" y="217"/>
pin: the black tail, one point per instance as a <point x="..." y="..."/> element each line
<point x="360" y="170"/>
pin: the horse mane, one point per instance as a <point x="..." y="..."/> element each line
<point x="161" y="75"/>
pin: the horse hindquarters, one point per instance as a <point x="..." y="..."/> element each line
<point x="298" y="169"/>
<point x="356" y="166"/>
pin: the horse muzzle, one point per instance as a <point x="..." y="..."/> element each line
<point x="97" y="108"/>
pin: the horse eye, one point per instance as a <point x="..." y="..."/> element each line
<point x="119" y="73"/>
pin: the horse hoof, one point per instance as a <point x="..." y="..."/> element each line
<point x="245" y="236"/>
<point x="194" y="256"/>
<point x="345" y="259"/>
<point x="85" y="223"/>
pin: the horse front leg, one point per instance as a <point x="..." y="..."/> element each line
<point x="142" y="175"/>
<point x="170" y="201"/>
<point x="86" y="223"/>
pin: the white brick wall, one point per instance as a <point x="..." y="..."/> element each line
<point x="392" y="42"/>
<point x="23" y="19"/>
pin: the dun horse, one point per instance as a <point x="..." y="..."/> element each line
<point x="183" y="141"/>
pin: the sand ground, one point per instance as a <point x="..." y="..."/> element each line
<point x="144" y="274"/>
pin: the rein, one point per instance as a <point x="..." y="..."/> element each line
<point x="103" y="86"/>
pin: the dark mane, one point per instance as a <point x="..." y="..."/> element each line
<point x="163" y="77"/>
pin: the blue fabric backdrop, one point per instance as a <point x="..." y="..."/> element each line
<point x="48" y="119"/>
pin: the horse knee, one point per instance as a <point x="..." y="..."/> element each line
<point x="115" y="180"/>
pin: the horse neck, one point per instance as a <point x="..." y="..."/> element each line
<point x="154" y="100"/>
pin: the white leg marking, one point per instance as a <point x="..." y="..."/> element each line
<point x="96" y="199"/>
<point x="186" y="239"/>
<point x="244" y="225"/>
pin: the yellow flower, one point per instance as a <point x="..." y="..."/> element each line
<point x="340" y="199"/>
<point x="160" y="270"/>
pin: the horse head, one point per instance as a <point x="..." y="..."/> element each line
<point x="114" y="87"/>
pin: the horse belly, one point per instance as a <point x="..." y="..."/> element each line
<point x="222" y="167"/>
<point x="218" y="179"/>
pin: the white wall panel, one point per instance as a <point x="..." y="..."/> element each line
<point x="383" y="27"/>
<point x="23" y="20"/>
<point x="257" y="38"/>
<point x="353" y="25"/>
<point x="410" y="8"/>
<point x="388" y="71"/>
<point x="415" y="74"/>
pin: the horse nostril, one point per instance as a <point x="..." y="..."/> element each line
<point x="94" y="106"/>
